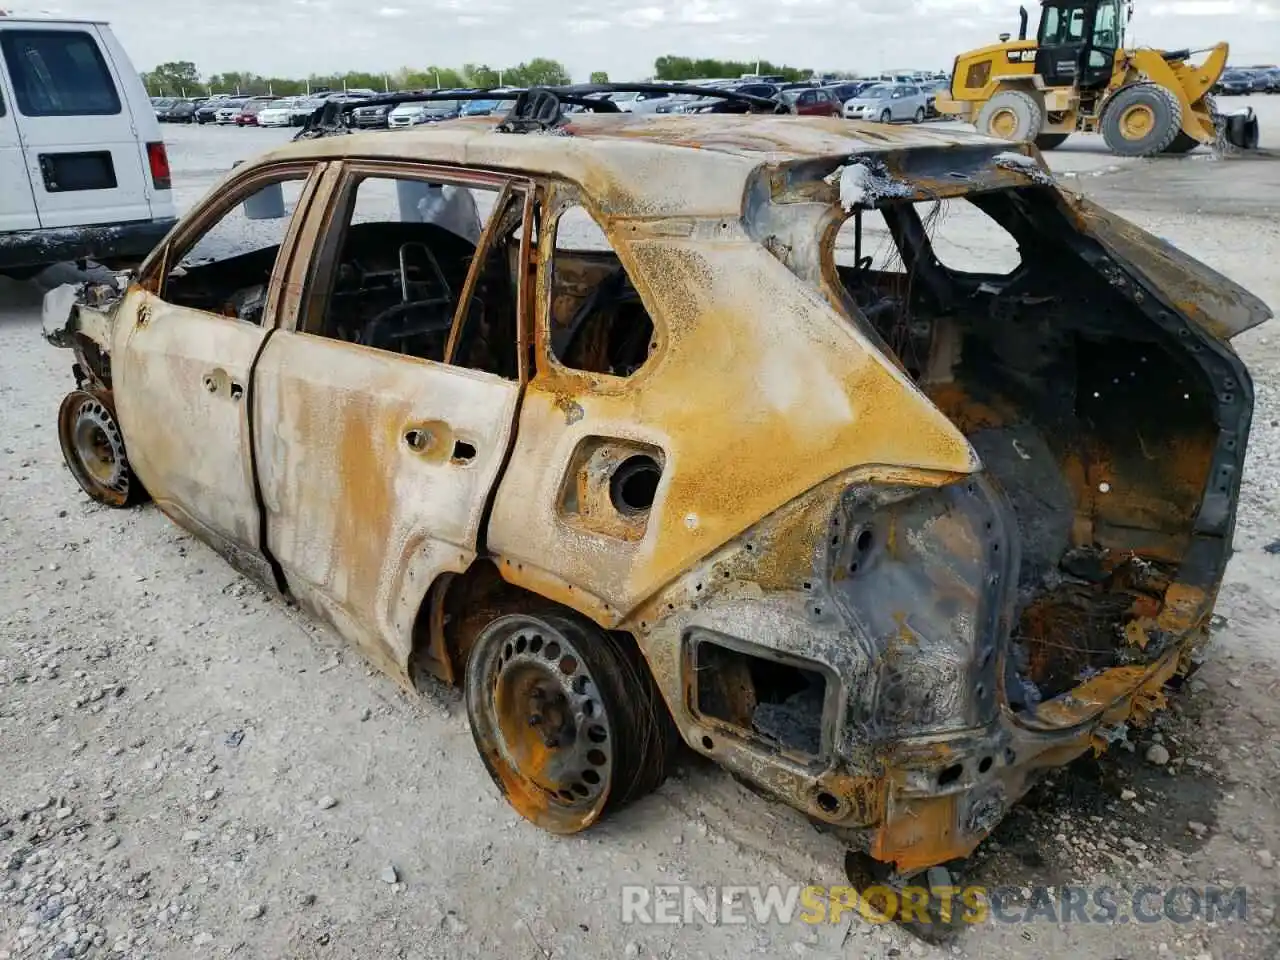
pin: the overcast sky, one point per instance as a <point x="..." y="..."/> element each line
<point x="297" y="37"/>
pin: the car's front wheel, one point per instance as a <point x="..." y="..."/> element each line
<point x="567" y="718"/>
<point x="886" y="116"/>
<point x="93" y="448"/>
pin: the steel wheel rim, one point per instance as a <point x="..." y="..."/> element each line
<point x="542" y="724"/>
<point x="93" y="448"/>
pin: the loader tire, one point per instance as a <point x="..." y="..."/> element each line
<point x="1141" y="120"/>
<point x="1048" y="141"/>
<point x="1182" y="144"/>
<point x="1011" y="115"/>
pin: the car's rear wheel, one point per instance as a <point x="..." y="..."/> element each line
<point x="567" y="718"/>
<point x="919" y="115"/>
<point x="93" y="448"/>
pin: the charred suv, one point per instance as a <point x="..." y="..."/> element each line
<point x="700" y="432"/>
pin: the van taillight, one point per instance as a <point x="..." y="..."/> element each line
<point x="158" y="157"/>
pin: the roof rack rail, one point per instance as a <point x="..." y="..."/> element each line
<point x="536" y="108"/>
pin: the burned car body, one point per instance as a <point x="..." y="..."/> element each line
<point x="886" y="540"/>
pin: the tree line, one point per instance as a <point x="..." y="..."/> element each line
<point x="182" y="78"/>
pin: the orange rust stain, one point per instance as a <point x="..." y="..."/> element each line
<point x="723" y="479"/>
<point x="366" y="495"/>
<point x="921" y="832"/>
<point x="553" y="587"/>
<point x="1110" y="693"/>
<point x="1185" y="607"/>
<point x="967" y="413"/>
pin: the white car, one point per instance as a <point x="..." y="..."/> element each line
<point x="427" y="111"/>
<point x="84" y="174"/>
<point x="887" y="102"/>
<point x="227" y="115"/>
<point x="633" y="101"/>
<point x="282" y="113"/>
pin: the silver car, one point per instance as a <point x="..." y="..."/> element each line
<point x="887" y="102"/>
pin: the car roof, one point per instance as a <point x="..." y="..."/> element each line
<point x="644" y="164"/>
<point x="10" y="21"/>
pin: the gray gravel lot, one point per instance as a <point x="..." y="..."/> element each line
<point x="190" y="769"/>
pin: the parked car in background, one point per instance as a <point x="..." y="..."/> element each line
<point x="430" y="111"/>
<point x="931" y="90"/>
<point x="631" y="101"/>
<point x="651" y="103"/>
<point x="1266" y="80"/>
<point x="176" y="110"/>
<point x="283" y="113"/>
<point x="812" y="101"/>
<point x="84" y="174"/>
<point x="228" y="111"/>
<point x="887" y="102"/>
<point x="248" y="115"/>
<point x="676" y="104"/>
<point x="711" y="104"/>
<point x="373" y="117"/>
<point x="1234" y="83"/>
<point x="848" y="89"/>
<point x="481" y="108"/>
<point x="207" y="112"/>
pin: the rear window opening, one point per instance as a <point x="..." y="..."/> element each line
<point x="780" y="703"/>
<point x="598" y="322"/>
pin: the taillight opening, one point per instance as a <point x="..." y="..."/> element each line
<point x="158" y="157"/>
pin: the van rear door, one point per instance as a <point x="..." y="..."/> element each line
<point x="17" y="202"/>
<point x="83" y="155"/>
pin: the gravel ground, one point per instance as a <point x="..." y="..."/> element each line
<point x="191" y="769"/>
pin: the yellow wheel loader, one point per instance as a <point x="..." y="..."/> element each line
<point x="1077" y="76"/>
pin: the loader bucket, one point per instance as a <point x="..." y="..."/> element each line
<point x="1240" y="129"/>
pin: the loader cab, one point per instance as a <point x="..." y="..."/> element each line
<point x="1077" y="42"/>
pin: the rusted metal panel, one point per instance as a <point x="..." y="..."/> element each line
<point x="367" y="493"/>
<point x="647" y="166"/>
<point x="749" y="412"/>
<point x="180" y="378"/>
<point x="1219" y="305"/>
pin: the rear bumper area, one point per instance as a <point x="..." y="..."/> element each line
<point x="103" y="241"/>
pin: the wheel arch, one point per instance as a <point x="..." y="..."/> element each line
<point x="459" y="605"/>
<point x="1019" y="84"/>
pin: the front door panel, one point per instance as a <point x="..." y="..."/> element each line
<point x="179" y="379"/>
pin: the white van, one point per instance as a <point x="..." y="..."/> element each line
<point x="83" y="168"/>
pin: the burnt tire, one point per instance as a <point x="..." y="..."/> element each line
<point x="1011" y="115"/>
<point x="1050" y="141"/>
<point x="93" y="448"/>
<point x="567" y="718"/>
<point x="1141" y="120"/>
